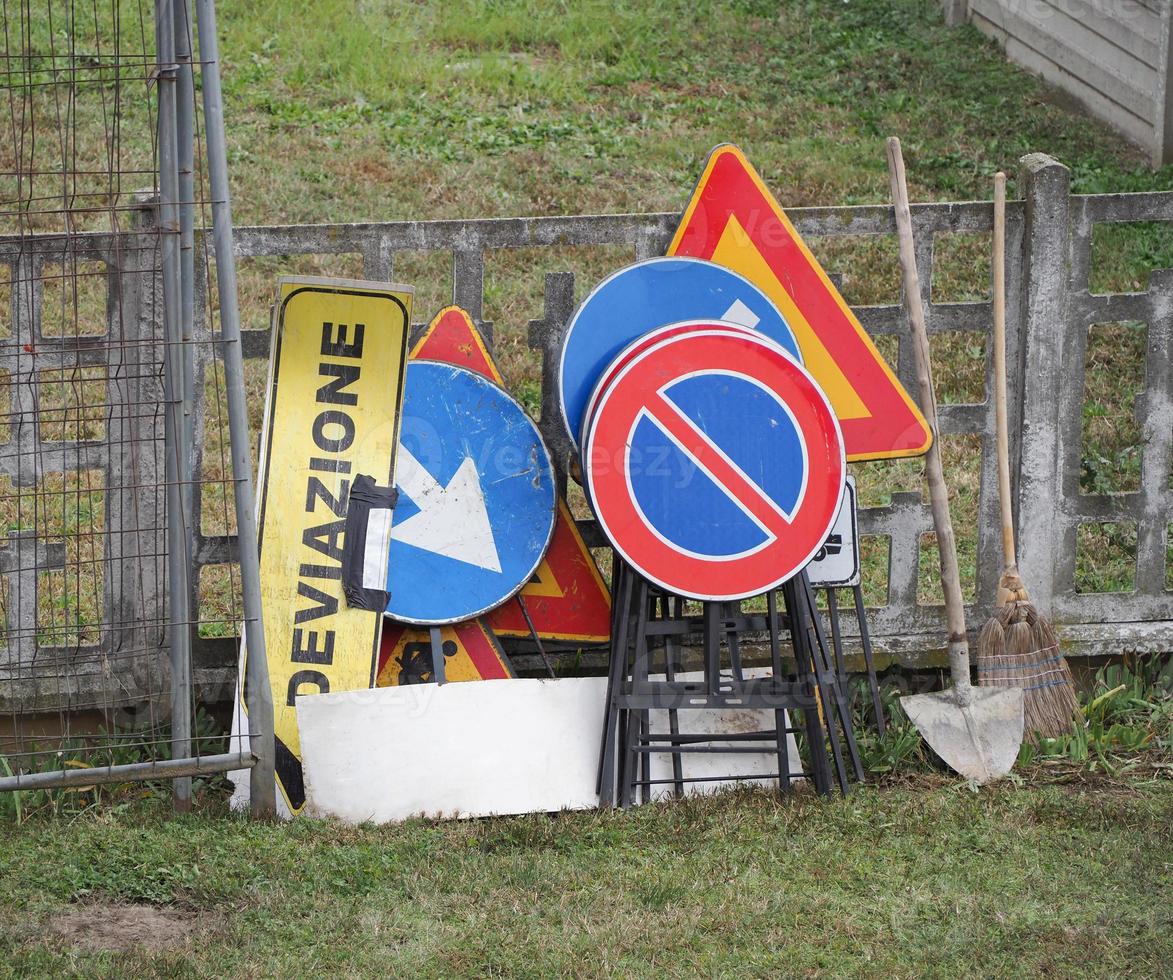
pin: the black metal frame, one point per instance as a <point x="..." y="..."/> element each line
<point x="649" y="627"/>
<point x="865" y="640"/>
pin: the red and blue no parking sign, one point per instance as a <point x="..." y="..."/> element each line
<point x="714" y="463"/>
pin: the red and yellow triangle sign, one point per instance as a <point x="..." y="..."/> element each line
<point x="566" y="598"/>
<point x="471" y="653"/>
<point x="453" y="338"/>
<point x="733" y="220"/>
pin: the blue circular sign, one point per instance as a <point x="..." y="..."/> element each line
<point x="477" y="500"/>
<point x="647" y="295"/>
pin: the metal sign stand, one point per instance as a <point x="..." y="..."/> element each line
<point x="832" y="689"/>
<point x="865" y="641"/>
<point x="533" y="634"/>
<point x="649" y="628"/>
<point x="436" y="641"/>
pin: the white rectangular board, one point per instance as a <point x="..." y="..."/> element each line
<point x="487" y="748"/>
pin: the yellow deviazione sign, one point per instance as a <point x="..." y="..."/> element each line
<point x="333" y="411"/>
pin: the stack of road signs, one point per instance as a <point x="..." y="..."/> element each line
<point x="715" y="396"/>
<point x="715" y="467"/>
<point x="490" y="556"/>
<point x="733" y="220"/>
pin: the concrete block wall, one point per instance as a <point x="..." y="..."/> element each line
<point x="1112" y="56"/>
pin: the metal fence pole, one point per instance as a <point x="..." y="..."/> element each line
<point x="258" y="696"/>
<point x="185" y="135"/>
<point x="105" y="775"/>
<point x="178" y="564"/>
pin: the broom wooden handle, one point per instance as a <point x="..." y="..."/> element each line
<point x="934" y="471"/>
<point x="1009" y="559"/>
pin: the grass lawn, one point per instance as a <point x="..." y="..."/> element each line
<point x="906" y="880"/>
<point x="341" y="111"/>
<point x="1063" y="868"/>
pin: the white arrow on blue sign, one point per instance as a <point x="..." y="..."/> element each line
<point x="476" y="501"/>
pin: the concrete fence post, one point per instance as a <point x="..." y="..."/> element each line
<point x="135" y="510"/>
<point x="1046" y="257"/>
<point x="1163" y="124"/>
<point x="956" y="12"/>
<point x="546" y="335"/>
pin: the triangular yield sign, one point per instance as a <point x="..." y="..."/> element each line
<point x="734" y="221"/>
<point x="566" y="598"/>
<point x="471" y="653"/>
<point x="453" y="338"/>
<point x="543" y="582"/>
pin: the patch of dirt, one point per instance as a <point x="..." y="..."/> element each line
<point x="117" y="926"/>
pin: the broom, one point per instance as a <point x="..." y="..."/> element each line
<point x="1017" y="646"/>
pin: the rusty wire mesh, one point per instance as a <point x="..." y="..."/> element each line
<point x="86" y="591"/>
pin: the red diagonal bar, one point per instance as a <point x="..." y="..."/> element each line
<point x="728" y="477"/>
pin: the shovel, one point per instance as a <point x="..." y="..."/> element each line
<point x="976" y="730"/>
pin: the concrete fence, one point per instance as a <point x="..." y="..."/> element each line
<point x="1113" y="56"/>
<point x="1051" y="307"/>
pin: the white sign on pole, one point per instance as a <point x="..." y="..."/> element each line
<point x="836" y="563"/>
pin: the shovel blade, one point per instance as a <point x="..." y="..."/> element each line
<point x="981" y="739"/>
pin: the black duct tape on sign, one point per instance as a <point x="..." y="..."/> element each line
<point x="368" y="542"/>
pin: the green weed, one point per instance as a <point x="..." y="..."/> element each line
<point x="126" y="747"/>
<point x="1127" y="712"/>
<point x="901" y="749"/>
<point x="1126" y="723"/>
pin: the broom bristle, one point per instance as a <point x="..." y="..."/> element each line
<point x="1018" y="648"/>
<point x="991" y="642"/>
<point x="1053" y="704"/>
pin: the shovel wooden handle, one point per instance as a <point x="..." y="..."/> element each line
<point x="938" y="492"/>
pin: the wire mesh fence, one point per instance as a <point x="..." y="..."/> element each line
<point x="109" y="204"/>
